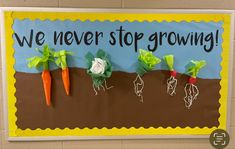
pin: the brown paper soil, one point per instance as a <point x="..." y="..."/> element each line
<point x="117" y="107"/>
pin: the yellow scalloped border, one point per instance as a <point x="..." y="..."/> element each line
<point x="16" y="132"/>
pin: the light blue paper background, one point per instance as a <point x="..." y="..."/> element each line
<point x="122" y="58"/>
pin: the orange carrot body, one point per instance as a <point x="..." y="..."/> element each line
<point x="46" y="78"/>
<point x="66" y="80"/>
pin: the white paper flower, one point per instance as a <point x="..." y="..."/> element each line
<point x="98" y="66"/>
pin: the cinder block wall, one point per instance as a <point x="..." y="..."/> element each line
<point x="120" y="144"/>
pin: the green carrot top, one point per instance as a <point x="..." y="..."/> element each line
<point x="194" y="69"/>
<point x="37" y="61"/>
<point x="61" y="60"/>
<point x="169" y="59"/>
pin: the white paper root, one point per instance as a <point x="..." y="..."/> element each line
<point x="191" y="93"/>
<point x="138" y="87"/>
<point x="105" y="87"/>
<point x="171" y="85"/>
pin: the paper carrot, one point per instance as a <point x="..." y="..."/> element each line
<point x="99" y="68"/>
<point x="146" y="63"/>
<point x="172" y="81"/>
<point x="61" y="61"/>
<point x="43" y="61"/>
<point x="191" y="90"/>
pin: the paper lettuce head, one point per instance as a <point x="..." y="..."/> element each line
<point x="99" y="67"/>
<point x="146" y="62"/>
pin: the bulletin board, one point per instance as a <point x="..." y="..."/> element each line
<point x="95" y="60"/>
